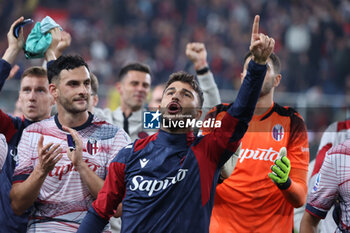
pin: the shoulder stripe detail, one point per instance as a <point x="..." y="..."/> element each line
<point x="19" y="178"/>
<point x="320" y="157"/>
<point x="282" y="111"/>
<point x="341" y="149"/>
<point x="315" y="212"/>
<point x="142" y="143"/>
<point x="343" y="125"/>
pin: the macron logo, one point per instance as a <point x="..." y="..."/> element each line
<point x="143" y="162"/>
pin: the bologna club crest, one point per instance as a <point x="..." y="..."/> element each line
<point x="278" y="132"/>
<point x="92" y="146"/>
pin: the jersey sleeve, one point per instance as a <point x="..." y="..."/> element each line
<point x="92" y="222"/>
<point x="3" y="150"/>
<point x="210" y="90"/>
<point x="113" y="189"/>
<point x="214" y="149"/>
<point x="225" y="139"/>
<point x="298" y="153"/>
<point x="27" y="153"/>
<point x="325" y="188"/>
<point x="5" y="69"/>
<point x="9" y="125"/>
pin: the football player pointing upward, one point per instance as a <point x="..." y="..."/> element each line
<point x="168" y="179"/>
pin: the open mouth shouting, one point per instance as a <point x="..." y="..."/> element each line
<point x="174" y="108"/>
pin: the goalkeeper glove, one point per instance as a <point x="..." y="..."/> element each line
<point x="280" y="171"/>
<point x="230" y="165"/>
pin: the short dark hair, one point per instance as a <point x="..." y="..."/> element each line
<point x="276" y="62"/>
<point x="68" y="62"/>
<point x="94" y="84"/>
<point x="133" y="66"/>
<point x="184" y="77"/>
<point x="36" y="71"/>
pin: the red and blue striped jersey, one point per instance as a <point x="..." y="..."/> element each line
<point x="167" y="181"/>
<point x="331" y="185"/>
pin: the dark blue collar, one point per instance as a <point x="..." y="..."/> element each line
<point x="177" y="140"/>
<point x="86" y="124"/>
<point x="27" y="122"/>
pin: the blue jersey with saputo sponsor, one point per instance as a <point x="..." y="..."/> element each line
<point x="167" y="181"/>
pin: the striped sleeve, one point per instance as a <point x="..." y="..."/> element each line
<point x="3" y="150"/>
<point x="27" y="153"/>
<point x="325" y="188"/>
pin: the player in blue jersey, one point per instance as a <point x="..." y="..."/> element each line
<point x="36" y="103"/>
<point x="167" y="181"/>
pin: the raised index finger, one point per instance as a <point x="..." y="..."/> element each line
<point x="255" y="30"/>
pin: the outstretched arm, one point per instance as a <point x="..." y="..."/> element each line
<point x="261" y="46"/>
<point x="197" y="53"/>
<point x="50" y="53"/>
<point x="15" y="45"/>
<point x="234" y="123"/>
<point x="63" y="44"/>
<point x="216" y="148"/>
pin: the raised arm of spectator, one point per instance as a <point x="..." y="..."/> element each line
<point x="197" y="53"/>
<point x="50" y="53"/>
<point x="63" y="44"/>
<point x="15" y="45"/>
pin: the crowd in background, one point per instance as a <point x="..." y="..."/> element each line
<point x="312" y="38"/>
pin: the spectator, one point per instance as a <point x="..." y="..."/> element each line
<point x="134" y="82"/>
